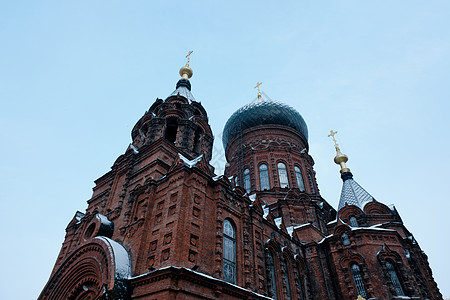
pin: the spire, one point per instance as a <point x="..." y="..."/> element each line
<point x="352" y="193"/>
<point x="340" y="158"/>
<point x="259" y="92"/>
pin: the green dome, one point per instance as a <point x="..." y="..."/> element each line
<point x="263" y="113"/>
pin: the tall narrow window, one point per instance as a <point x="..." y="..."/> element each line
<point x="311" y="183"/>
<point x="286" y="279"/>
<point x="229" y="252"/>
<point x="353" y="221"/>
<point x="272" y="281"/>
<point x="171" y="130"/>
<point x="247" y="184"/>
<point x="358" y="280"/>
<point x="298" y="175"/>
<point x="394" y="278"/>
<point x="264" y="177"/>
<point x="282" y="174"/>
<point x="198" y="135"/>
<point x="300" y="282"/>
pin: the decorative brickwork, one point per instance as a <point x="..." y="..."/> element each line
<point x="154" y="227"/>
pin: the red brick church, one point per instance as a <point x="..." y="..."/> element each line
<point x="161" y="225"/>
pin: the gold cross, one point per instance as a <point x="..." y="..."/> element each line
<point x="332" y="134"/>
<point x="257" y="86"/>
<point x="188" y="57"/>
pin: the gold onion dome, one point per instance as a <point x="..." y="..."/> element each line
<point x="186" y="71"/>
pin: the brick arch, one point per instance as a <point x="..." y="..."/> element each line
<point x="349" y="258"/>
<point x="376" y="208"/>
<point x="340" y="229"/>
<point x="99" y="268"/>
<point x="386" y="254"/>
<point x="349" y="210"/>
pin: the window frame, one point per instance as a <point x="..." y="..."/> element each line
<point x="281" y="176"/>
<point x="358" y="280"/>
<point x="232" y="240"/>
<point x="299" y="179"/>
<point x="261" y="178"/>
<point x="247" y="184"/>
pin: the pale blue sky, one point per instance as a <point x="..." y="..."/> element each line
<point x="75" y="76"/>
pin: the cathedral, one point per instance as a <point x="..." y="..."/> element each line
<point x="162" y="225"/>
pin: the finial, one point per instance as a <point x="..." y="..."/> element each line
<point x="259" y="92"/>
<point x="186" y="71"/>
<point x="340" y="158"/>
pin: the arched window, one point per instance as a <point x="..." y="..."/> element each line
<point x="271" y="279"/>
<point x="264" y="177"/>
<point x="311" y="183"/>
<point x="345" y="240"/>
<point x="353" y="221"/>
<point x="300" y="282"/>
<point x="358" y="280"/>
<point x="298" y="175"/>
<point x="198" y="136"/>
<point x="229" y="252"/>
<point x="247" y="184"/>
<point x="286" y="279"/>
<point x="282" y="175"/>
<point x="171" y="130"/>
<point x="394" y="278"/>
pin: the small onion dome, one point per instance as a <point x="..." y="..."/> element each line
<point x="186" y="72"/>
<point x="340" y="158"/>
<point x="263" y="113"/>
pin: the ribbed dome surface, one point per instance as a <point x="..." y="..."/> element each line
<point x="263" y="113"/>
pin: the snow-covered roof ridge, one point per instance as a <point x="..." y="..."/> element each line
<point x="353" y="194"/>
<point x="190" y="163"/>
<point x="208" y="277"/>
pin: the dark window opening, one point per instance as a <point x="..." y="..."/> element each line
<point x="198" y="141"/>
<point x="171" y="130"/>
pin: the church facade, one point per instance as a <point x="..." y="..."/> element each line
<point x="161" y="225"/>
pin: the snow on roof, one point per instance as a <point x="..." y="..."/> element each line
<point x="218" y="177"/>
<point x="104" y="220"/>
<point x="252" y="197"/>
<point x="278" y="221"/>
<point x="332" y="222"/>
<point x="190" y="163"/>
<point x="135" y="150"/>
<point x="206" y="276"/>
<point x="121" y="258"/>
<point x="373" y="227"/>
<point x="322" y="240"/>
<point x="266" y="210"/>
<point x="290" y="230"/>
<point x="78" y="216"/>
<point x="300" y="226"/>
